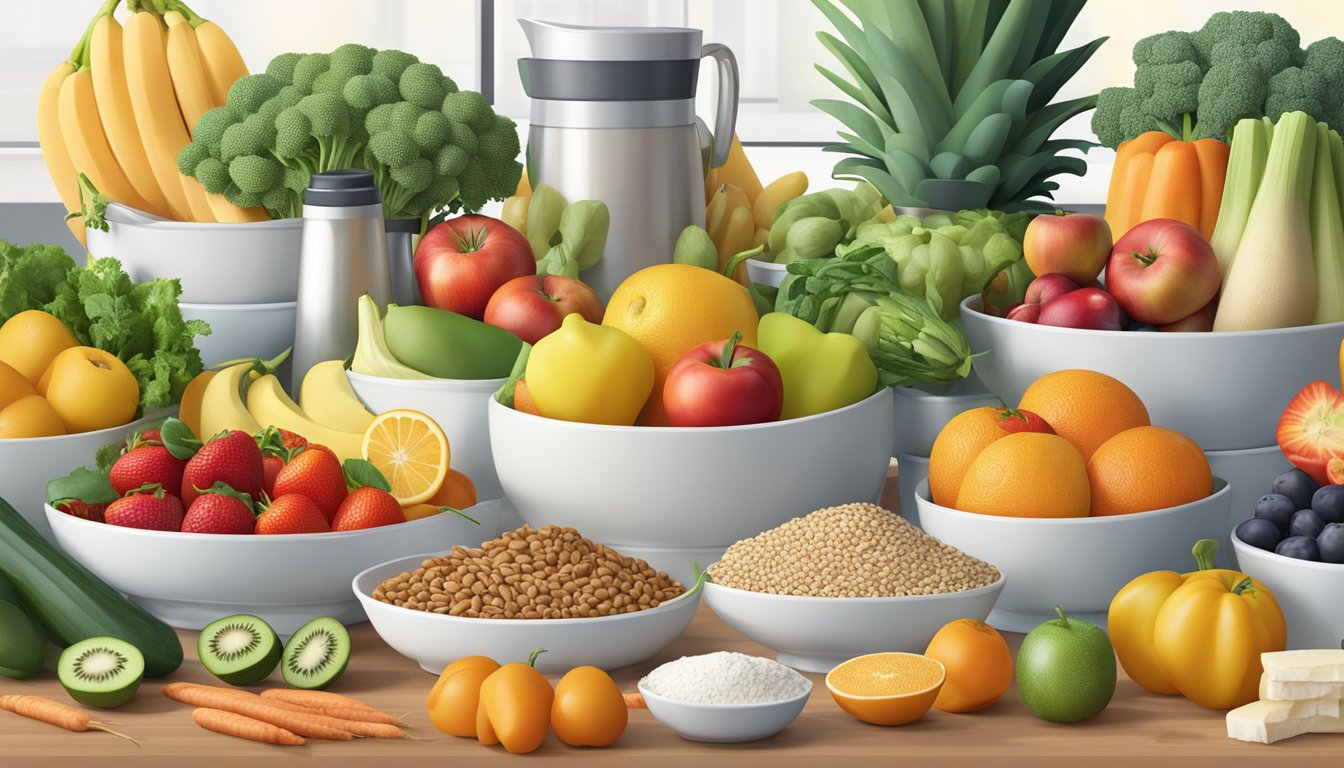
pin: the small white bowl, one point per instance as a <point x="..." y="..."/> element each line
<point x="910" y="472"/>
<point x="1076" y="563"/>
<point x="1310" y="594"/>
<point x="1251" y="474"/>
<point x="814" y="634"/>
<point x="919" y="415"/>
<point x="190" y="579"/>
<point x="458" y="405"/>
<point x="435" y="640"/>
<point x="671" y="495"/>
<point x="243" y="330"/>
<point x="725" y="723"/>
<point x="766" y="272"/>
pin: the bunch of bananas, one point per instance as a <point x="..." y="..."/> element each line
<point x="121" y="107"/>
<point x="739" y="211"/>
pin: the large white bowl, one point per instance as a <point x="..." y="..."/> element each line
<point x="1191" y="382"/>
<point x="24" y="461"/>
<point x="814" y="634"/>
<point x="1251" y="474"/>
<point x="725" y="723"/>
<point x="672" y="495"/>
<point x="458" y="405"/>
<point x="1076" y="563"/>
<point x="919" y="415"/>
<point x="1310" y="594"/>
<point x="243" y="330"/>
<point x="189" y="579"/>
<point x="435" y="640"/>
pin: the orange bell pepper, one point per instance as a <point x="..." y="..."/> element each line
<point x="456" y="695"/>
<point x="1159" y="177"/>
<point x="515" y="707"/>
<point x="589" y="709"/>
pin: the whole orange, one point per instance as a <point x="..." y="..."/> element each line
<point x="1029" y="474"/>
<point x="13" y="385"/>
<point x="30" y="416"/>
<point x="457" y="491"/>
<point x="522" y="399"/>
<point x="91" y="389"/>
<point x="963" y="438"/>
<point x="1147" y="468"/>
<point x="979" y="665"/>
<point x="669" y="308"/>
<point x="1086" y="408"/>
<point x="30" y="340"/>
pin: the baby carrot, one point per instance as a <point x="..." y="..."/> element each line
<point x="251" y="705"/>
<point x="233" y="724"/>
<point x="635" y="701"/>
<point x="55" y="713"/>
<point x="330" y="704"/>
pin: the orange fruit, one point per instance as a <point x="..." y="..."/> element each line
<point x="887" y="688"/>
<point x="522" y="399"/>
<point x="1086" y="408"/>
<point x="979" y="665"/>
<point x="1029" y="474"/>
<point x="30" y="340"/>
<point x="13" y="385"/>
<point x="964" y="437"/>
<point x="30" y="416"/>
<point x="670" y="308"/>
<point x="457" y="491"/>
<point x="1147" y="468"/>
<point x="91" y="389"/>
<point x="411" y="451"/>
<point x="421" y="511"/>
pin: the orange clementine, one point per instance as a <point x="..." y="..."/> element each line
<point x="1086" y="408"/>
<point x="457" y="491"/>
<point x="669" y="308"/>
<point x="30" y="340"/>
<point x="887" y="688"/>
<point x="1029" y="474"/>
<point x="13" y="385"/>
<point x="30" y="416"/>
<point x="91" y="389"/>
<point x="964" y="437"/>
<point x="1147" y="468"/>
<point x="979" y="665"/>
<point x="522" y="399"/>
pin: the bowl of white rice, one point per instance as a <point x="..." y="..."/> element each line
<point x="725" y="697"/>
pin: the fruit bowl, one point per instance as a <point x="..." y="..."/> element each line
<point x="458" y="405"/>
<point x="1076" y="563"/>
<point x="813" y="634"/>
<point x="1224" y="390"/>
<point x="435" y="640"/>
<point x="188" y="579"/>
<point x="1311" y="594"/>
<point x="766" y="272"/>
<point x="670" y="495"/>
<point x="243" y="330"/>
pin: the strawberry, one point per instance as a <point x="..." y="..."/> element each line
<point x="367" y="507"/>
<point x="1311" y="430"/>
<point x="315" y="473"/>
<point x="148" y="508"/>
<point x="271" y="466"/>
<point x="220" y="510"/>
<point x="233" y="459"/>
<point x="92" y="512"/>
<point x="291" y="513"/>
<point x="147" y="464"/>
<point x="292" y="440"/>
<point x="1013" y="420"/>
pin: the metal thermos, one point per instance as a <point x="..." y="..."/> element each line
<point x="343" y="257"/>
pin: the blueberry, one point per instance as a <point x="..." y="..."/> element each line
<point x="1259" y="532"/>
<point x="1277" y="509"/>
<point x="1299" y="547"/>
<point x="1331" y="543"/>
<point x="1328" y="502"/>
<point x="1296" y="485"/>
<point x="1143" y="328"/>
<point x="1306" y="523"/>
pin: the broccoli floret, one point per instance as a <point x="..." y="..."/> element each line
<point x="379" y="118"/>
<point x="439" y="193"/>
<point x="405" y="114"/>
<point x="464" y="137"/>
<point x="1325" y="57"/>
<point x="502" y="178"/>
<point x="468" y="108"/>
<point x="1169" y="92"/>
<point x="293" y="132"/>
<point x="282" y="66"/>
<point x="1165" y="48"/>
<point x="1232" y="89"/>
<point x="498" y="145"/>
<point x="1297" y="90"/>
<point x="413" y="176"/>
<point x="1268" y="37"/>
<point x="1119" y="116"/>
<point x="391" y="63"/>
<point x="307" y="68"/>
<point x="328" y="114"/>
<point x="352" y="59"/>
<point x="213" y="175"/>
<point x="246" y="138"/>
<point x="191" y="156"/>
<point x="210" y="128"/>
<point x="450" y="160"/>
<point x="393" y="148"/>
<point x="281" y="203"/>
<point x="240" y="198"/>
<point x="422" y="85"/>
<point x="369" y="91"/>
<point x="249" y="92"/>
<point x="431" y="130"/>
<point x="255" y="174"/>
<point x="287" y="97"/>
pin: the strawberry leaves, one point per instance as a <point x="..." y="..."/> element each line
<point x="360" y="474"/>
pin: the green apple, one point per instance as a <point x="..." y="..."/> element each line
<point x="1066" y="670"/>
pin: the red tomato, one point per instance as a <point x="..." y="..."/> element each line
<point x="532" y="306"/>
<point x="720" y="384"/>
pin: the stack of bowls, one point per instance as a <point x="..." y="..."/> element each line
<point x="919" y="414"/>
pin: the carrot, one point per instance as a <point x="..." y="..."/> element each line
<point x="233" y="724"/>
<point x="331" y="705"/>
<point x="55" y="713"/>
<point x="1213" y="156"/>
<point x="635" y="701"/>
<point x="251" y="705"/>
<point x="1174" y="186"/>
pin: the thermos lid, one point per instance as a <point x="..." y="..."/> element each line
<point x="342" y="189"/>
<point x="566" y="42"/>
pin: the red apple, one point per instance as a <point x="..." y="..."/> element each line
<point x="1071" y="244"/>
<point x="1088" y="308"/>
<point x="1025" y="313"/>
<point x="1047" y="287"/>
<point x="461" y="262"/>
<point x="1200" y="322"/>
<point x="722" y="383"/>
<point x="1161" y="271"/>
<point x="533" y="306"/>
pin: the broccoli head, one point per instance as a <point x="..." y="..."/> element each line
<point x="450" y="160"/>
<point x="213" y="175"/>
<point x="282" y="66"/>
<point x="391" y="63"/>
<point x="364" y="92"/>
<point x="1171" y="47"/>
<point x="1232" y="89"/>
<point x="1169" y="92"/>
<point x="191" y="156"/>
<point x="1119" y="116"/>
<point x="431" y="130"/>
<point x="1267" y="36"/>
<point x="1325" y="57"/>
<point x="1297" y="90"/>
<point x="307" y="69"/>
<point x="469" y="108"/>
<point x="293" y="133"/>
<point x="252" y="136"/>
<point x="255" y="174"/>
<point x="422" y="85"/>
<point x="210" y="128"/>
<point x="249" y="92"/>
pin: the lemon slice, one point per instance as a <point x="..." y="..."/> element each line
<point x="411" y="451"/>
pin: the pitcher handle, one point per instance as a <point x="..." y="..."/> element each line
<point x="725" y="117"/>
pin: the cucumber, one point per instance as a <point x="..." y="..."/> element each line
<point x="23" y="647"/>
<point x="74" y="604"/>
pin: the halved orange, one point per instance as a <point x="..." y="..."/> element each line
<point x="887" y="688"/>
<point x="411" y="451"/>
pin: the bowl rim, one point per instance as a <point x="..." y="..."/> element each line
<point x="893" y="697"/>
<point x="1239" y="546"/>
<point x="214" y="306"/>
<point x="159" y="223"/>
<point x="744" y="707"/>
<point x="431" y="384"/>
<point x="922" y="495"/>
<point x="638" y="430"/>
<point x="972" y="304"/>
<point x="763" y="264"/>
<point x="816" y="600"/>
<point x="157" y="414"/>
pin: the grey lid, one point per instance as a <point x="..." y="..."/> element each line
<point x="568" y="42"/>
<point x="342" y="189"/>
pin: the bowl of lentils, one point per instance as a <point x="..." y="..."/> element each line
<point x="847" y="581"/>
<point x="548" y="587"/>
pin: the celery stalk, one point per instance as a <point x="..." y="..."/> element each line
<point x="1327" y="228"/>
<point x="1245" y="167"/>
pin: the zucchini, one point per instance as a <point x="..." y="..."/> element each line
<point x="23" y="647"/>
<point x="74" y="604"/>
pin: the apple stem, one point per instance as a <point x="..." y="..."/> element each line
<point x="1147" y="258"/>
<point x="473" y="241"/>
<point x="1203" y="551"/>
<point x="729" y="349"/>
<point x="1062" y="617"/>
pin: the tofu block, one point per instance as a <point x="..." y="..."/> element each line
<point x="1269" y="721"/>
<point x="1298" y="691"/>
<point x="1309" y="666"/>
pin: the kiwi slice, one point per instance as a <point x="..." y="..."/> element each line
<point x="101" y="671"/>
<point x="240" y="650"/>
<point x="316" y="654"/>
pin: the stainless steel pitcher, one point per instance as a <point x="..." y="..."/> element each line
<point x="613" y="119"/>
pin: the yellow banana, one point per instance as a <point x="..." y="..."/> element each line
<point x="82" y="129"/>
<point x="737" y="236"/>
<point x="716" y="212"/>
<point x="761" y="238"/>
<point x="190" y="84"/>
<point x="711" y="184"/>
<point x="107" y="63"/>
<point x="156" y="115"/>
<point x="222" y="405"/>
<point x="327" y="397"/>
<point x="54" y="150"/>
<point x="196" y="200"/>
<point x="228" y="213"/>
<point x="778" y="192"/>
<point x="270" y="406"/>
<point x="223" y="64"/>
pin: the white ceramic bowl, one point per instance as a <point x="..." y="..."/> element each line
<point x="766" y="272"/>
<point x="672" y="495"/>
<point x="458" y="405"/>
<point x="1191" y="382"/>
<point x="188" y="580"/>
<point x="1251" y="474"/>
<point x="243" y="330"/>
<point x="814" y="634"/>
<point x="1076" y="563"/>
<point x="725" y="723"/>
<point x="435" y="640"/>
<point x="22" y="460"/>
<point x="252" y="263"/>
<point x="919" y="415"/>
<point x="1310" y="594"/>
<point x="910" y="472"/>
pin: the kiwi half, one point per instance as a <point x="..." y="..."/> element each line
<point x="101" y="671"/>
<point x="240" y="650"/>
<point x="316" y="654"/>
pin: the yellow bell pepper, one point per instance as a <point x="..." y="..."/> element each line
<point x="1199" y="634"/>
<point x="821" y="371"/>
<point x="589" y="373"/>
